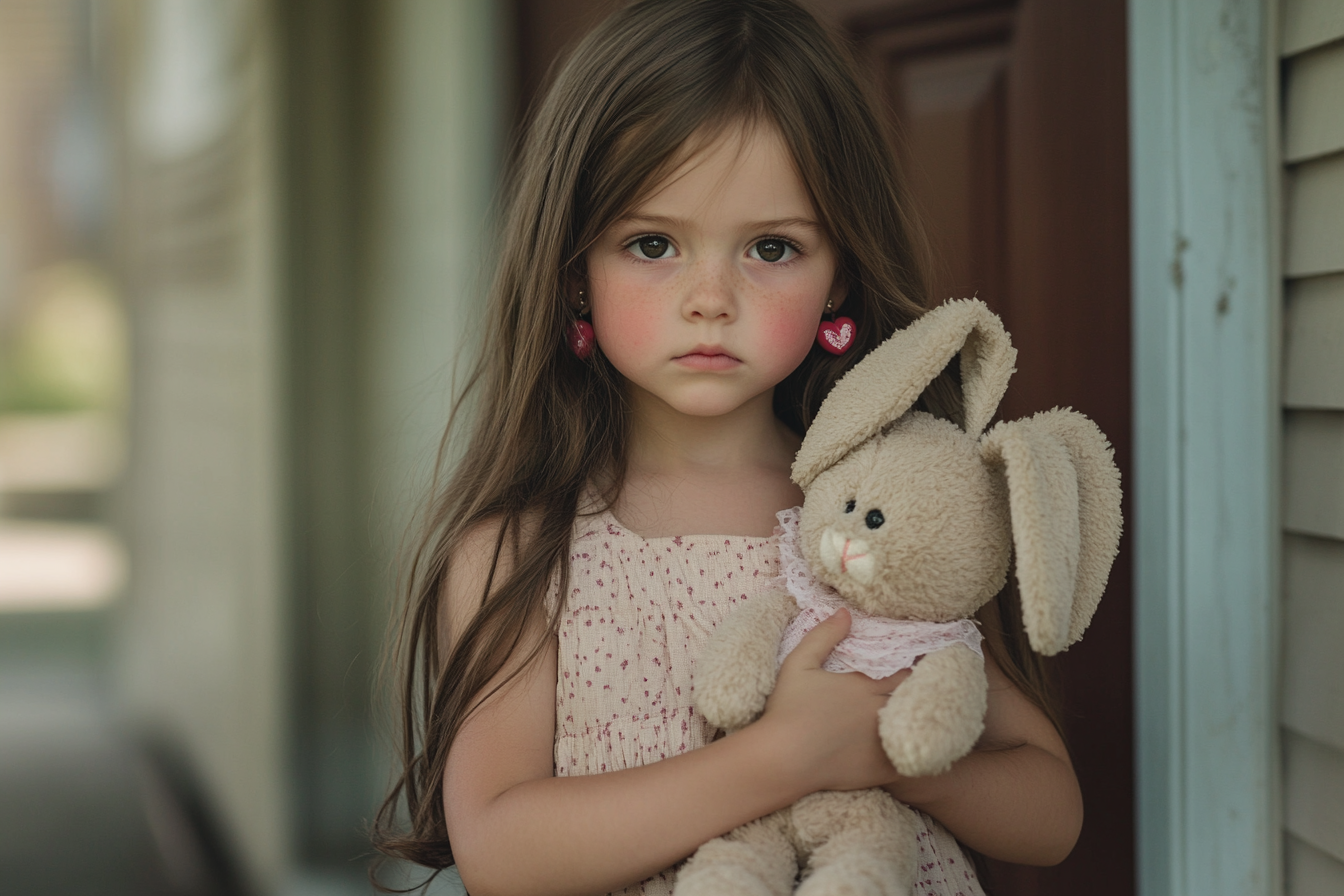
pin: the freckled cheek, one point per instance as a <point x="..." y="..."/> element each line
<point x="627" y="322"/>
<point x="790" y="330"/>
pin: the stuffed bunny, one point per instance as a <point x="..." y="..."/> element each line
<point x="910" y="521"/>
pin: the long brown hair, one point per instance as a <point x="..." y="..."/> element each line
<point x="621" y="107"/>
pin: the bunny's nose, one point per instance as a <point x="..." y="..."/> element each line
<point x="846" y="556"/>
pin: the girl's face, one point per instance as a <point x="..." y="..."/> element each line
<point x="709" y="291"/>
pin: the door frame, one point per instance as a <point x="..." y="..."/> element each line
<point x="1204" y="127"/>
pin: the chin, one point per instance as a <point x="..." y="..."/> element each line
<point x="705" y="409"/>
<point x="707" y="405"/>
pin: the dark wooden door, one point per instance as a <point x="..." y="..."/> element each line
<point x="1012" y="116"/>
<point x="1013" y="121"/>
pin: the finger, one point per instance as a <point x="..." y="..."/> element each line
<point x="889" y="683"/>
<point x="817" y="644"/>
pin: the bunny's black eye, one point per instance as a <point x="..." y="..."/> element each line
<point x="849" y="507"/>
<point x="874" y="519"/>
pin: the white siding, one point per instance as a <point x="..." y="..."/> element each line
<point x="1312" y="703"/>
<point x="1312" y="872"/>
<point x="1313" y="481"/>
<point x="1313" y="670"/>
<point x="1313" y="793"/>
<point x="1310" y="23"/>
<point x="1313" y="124"/>
<point x="1315" y="213"/>
<point x="1313" y="324"/>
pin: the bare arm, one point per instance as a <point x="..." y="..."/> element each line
<point x="1015" y="796"/>
<point x="515" y="828"/>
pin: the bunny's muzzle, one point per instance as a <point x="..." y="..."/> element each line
<point x="846" y="556"/>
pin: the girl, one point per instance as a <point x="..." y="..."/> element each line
<point x="704" y="180"/>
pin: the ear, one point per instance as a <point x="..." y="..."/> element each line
<point x="839" y="290"/>
<point x="1064" y="500"/>
<point x="887" y="383"/>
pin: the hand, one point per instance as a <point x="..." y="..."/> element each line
<point x="826" y="722"/>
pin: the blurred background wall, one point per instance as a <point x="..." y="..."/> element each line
<point x="241" y="243"/>
<point x="394" y="117"/>
<point x="200" y="648"/>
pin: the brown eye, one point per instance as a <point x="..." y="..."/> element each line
<point x="650" y="246"/>
<point x="772" y="250"/>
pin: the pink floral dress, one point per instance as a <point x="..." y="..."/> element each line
<point x="637" y="614"/>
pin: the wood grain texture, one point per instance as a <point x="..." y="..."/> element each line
<point x="1313" y="343"/>
<point x="952" y="112"/>
<point x="1313" y="630"/>
<point x="1314" y="217"/>
<point x="1313" y="793"/>
<point x="1313" y="479"/>
<point x="1313" y="86"/>
<point x="1309" y="23"/>
<point x="1309" y="871"/>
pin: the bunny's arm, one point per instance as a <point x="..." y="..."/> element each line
<point x="736" y="671"/>
<point x="1015" y="796"/>
<point x="936" y="715"/>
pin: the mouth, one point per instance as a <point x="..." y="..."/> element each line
<point x="846" y="556"/>
<point x="707" y="357"/>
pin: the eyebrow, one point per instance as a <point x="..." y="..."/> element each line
<point x="663" y="221"/>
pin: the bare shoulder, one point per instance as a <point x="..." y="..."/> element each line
<point x="480" y="563"/>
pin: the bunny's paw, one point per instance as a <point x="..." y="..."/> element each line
<point x="872" y="878"/>
<point x="735" y="672"/>
<point x="753" y="860"/>
<point x="730" y="704"/>
<point x="917" y="749"/>
<point x="936" y="716"/>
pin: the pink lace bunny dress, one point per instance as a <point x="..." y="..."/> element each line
<point x="637" y="614"/>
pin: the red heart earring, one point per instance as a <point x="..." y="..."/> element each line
<point x="579" y="333"/>
<point x="836" y="336"/>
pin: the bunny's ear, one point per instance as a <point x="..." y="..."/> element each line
<point x="1064" y="499"/>
<point x="887" y="383"/>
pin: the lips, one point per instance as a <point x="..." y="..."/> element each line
<point x="707" y="357"/>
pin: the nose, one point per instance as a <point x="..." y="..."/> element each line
<point x="710" y="294"/>
<point x="846" y="556"/>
